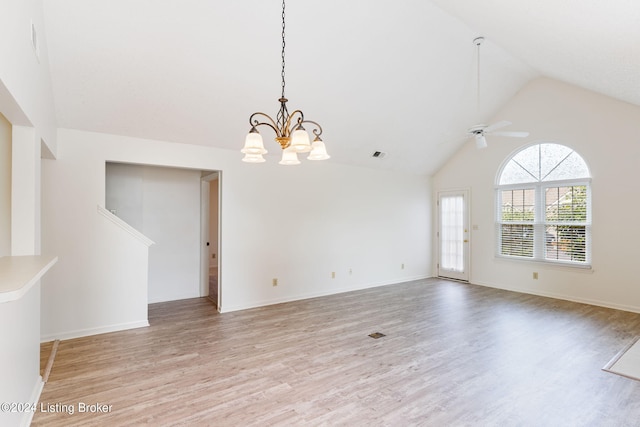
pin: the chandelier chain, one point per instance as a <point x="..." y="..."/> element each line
<point x="283" y="46"/>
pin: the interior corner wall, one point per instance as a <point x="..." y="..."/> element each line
<point x="605" y="133"/>
<point x="26" y="101"/>
<point x="297" y="224"/>
<point x="23" y="75"/>
<point x="164" y="205"/>
<point x="5" y="186"/>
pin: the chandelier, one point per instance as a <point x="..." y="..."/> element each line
<point x="290" y="134"/>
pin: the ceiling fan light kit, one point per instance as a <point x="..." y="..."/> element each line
<point x="480" y="130"/>
<point x="290" y="134"/>
<point x="481" y="141"/>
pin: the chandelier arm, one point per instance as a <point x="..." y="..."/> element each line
<point x="318" y="131"/>
<point x="299" y="121"/>
<point x="272" y="125"/>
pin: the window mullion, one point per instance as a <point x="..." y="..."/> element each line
<point x="539" y="224"/>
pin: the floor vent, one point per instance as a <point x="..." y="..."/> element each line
<point x="377" y="335"/>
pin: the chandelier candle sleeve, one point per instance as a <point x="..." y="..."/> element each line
<point x="290" y="134"/>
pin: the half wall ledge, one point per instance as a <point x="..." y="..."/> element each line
<point x="19" y="273"/>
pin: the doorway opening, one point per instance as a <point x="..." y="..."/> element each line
<point x="210" y="237"/>
<point x="167" y="205"/>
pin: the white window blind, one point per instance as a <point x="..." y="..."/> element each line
<point x="566" y="223"/>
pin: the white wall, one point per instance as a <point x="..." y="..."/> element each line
<point x="297" y="224"/>
<point x="23" y="75"/>
<point x="25" y="191"/>
<point x="5" y="187"/>
<point x="606" y="133"/>
<point x="26" y="101"/>
<point x="163" y="204"/>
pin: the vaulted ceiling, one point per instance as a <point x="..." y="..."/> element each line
<point x="395" y="76"/>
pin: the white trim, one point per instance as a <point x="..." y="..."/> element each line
<point x="126" y="227"/>
<point x="177" y="297"/>
<point x="211" y="176"/>
<point x="557" y="183"/>
<point x="205" y="261"/>
<point x="94" y="331"/>
<point x="562" y="265"/>
<point x="598" y="303"/>
<point x="33" y="400"/>
<point x="265" y="303"/>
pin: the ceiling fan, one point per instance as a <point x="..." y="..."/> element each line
<point x="480" y="130"/>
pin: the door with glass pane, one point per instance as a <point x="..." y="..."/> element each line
<point x="453" y="234"/>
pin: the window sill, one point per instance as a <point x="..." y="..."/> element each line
<point x="578" y="268"/>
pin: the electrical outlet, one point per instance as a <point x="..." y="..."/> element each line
<point x="535" y="275"/>
<point x="274" y="282"/>
<point x="350" y="272"/>
<point x="402" y="266"/>
<point x="333" y="274"/>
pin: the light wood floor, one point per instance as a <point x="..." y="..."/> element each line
<point x="454" y="355"/>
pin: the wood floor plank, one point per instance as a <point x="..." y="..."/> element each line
<point x="454" y="354"/>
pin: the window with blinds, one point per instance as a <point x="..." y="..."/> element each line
<point x="543" y="206"/>
<point x="517" y="211"/>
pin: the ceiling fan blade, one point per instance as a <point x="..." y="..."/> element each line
<point x="512" y="134"/>
<point x="498" y="125"/>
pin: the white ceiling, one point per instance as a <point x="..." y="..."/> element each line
<point x="396" y="76"/>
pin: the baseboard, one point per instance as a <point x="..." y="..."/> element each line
<point x="599" y="303"/>
<point x="175" y="297"/>
<point x="94" y="331"/>
<point x="264" y="303"/>
<point x="33" y="400"/>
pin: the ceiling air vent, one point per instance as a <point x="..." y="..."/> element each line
<point x="378" y="154"/>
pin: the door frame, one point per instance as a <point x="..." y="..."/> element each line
<point x="449" y="274"/>
<point x="205" y="206"/>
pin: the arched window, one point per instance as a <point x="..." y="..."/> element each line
<point x="543" y="210"/>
